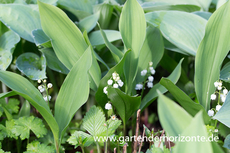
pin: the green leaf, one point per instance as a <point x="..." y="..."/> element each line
<point x="100" y="96"/>
<point x="80" y="8"/>
<point x="3" y="132"/>
<point x="1" y="110"/>
<point x="159" y="6"/>
<point x="53" y="62"/>
<point x="6" y="1"/>
<point x="152" y="94"/>
<point x="26" y="17"/>
<point x="25" y="89"/>
<point x="40" y="38"/>
<point x="223" y="113"/>
<point x="9" y="128"/>
<point x="67" y="40"/>
<point x="106" y="10"/>
<point x="227" y="142"/>
<point x="80" y="138"/>
<point x="32" y="65"/>
<point x="125" y="105"/>
<point x="7" y="44"/>
<point x="216" y="147"/>
<point x="205" y="15"/>
<point x="52" y="2"/>
<point x="225" y="73"/>
<point x="184" y="100"/>
<point x="25" y="109"/>
<point x="195" y="128"/>
<point x="88" y="23"/>
<point x="96" y="37"/>
<point x="37" y="147"/>
<point x="211" y="53"/>
<point x="94" y="121"/>
<point x="11" y="106"/>
<point x="151" y="51"/>
<point x="113" y="125"/>
<point x="69" y="99"/>
<point x="132" y="26"/>
<point x="116" y="53"/>
<point x="7" y="94"/>
<point x="173" y="118"/>
<point x="181" y="25"/>
<point x="23" y="125"/>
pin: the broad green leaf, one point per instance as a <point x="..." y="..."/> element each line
<point x="100" y="96"/>
<point x="216" y="147"/>
<point x="1" y="110"/>
<point x="211" y="53"/>
<point x="116" y="53"/>
<point x="37" y="147"/>
<point x="193" y="130"/>
<point x="26" y="17"/>
<point x="23" y="125"/>
<point x="7" y="94"/>
<point x="169" y="46"/>
<point x="223" y="114"/>
<point x="181" y="25"/>
<point x="173" y="118"/>
<point x="67" y="40"/>
<point x="203" y="4"/>
<point x="132" y="26"/>
<point x="151" y="51"/>
<point x="52" y="2"/>
<point x="220" y="3"/>
<point x="205" y="15"/>
<point x="53" y="62"/>
<point x="94" y="121"/>
<point x="25" y="89"/>
<point x="125" y="105"/>
<point x="69" y="99"/>
<point x="96" y="37"/>
<point x="225" y="73"/>
<point x="80" y="8"/>
<point x="7" y="44"/>
<point x="32" y="65"/>
<point x="6" y="1"/>
<point x="157" y="6"/>
<point x="40" y="38"/>
<point x="80" y="138"/>
<point x="227" y="142"/>
<point x="88" y="23"/>
<point x="184" y="100"/>
<point x="152" y="94"/>
<point x="106" y="11"/>
<point x="25" y="109"/>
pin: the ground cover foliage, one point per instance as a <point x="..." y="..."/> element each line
<point x="114" y="76"/>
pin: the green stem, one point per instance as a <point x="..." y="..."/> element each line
<point x="124" y="128"/>
<point x="106" y="141"/>
<point x="98" y="147"/>
<point x="215" y="124"/>
<point x="82" y="148"/>
<point x="56" y="146"/>
<point x="47" y="96"/>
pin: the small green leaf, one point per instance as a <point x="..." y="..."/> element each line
<point x="152" y="94"/>
<point x="7" y="44"/>
<point x="3" y="132"/>
<point x="211" y="54"/>
<point x="9" y="128"/>
<point x="26" y="17"/>
<point x="184" y="100"/>
<point x="37" y="147"/>
<point x="96" y="37"/>
<point x="11" y="106"/>
<point x="40" y="38"/>
<point x="223" y="113"/>
<point x="94" y="121"/>
<point x="32" y="65"/>
<point x="125" y="105"/>
<point x="53" y="62"/>
<point x="23" y="125"/>
<point x="25" y="109"/>
<point x="173" y="118"/>
<point x="225" y="73"/>
<point x="80" y="138"/>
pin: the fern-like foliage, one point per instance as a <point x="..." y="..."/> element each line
<point x="37" y="147"/>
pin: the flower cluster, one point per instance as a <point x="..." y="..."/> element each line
<point x="148" y="74"/>
<point x="114" y="81"/>
<point x="44" y="88"/>
<point x="222" y="96"/>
